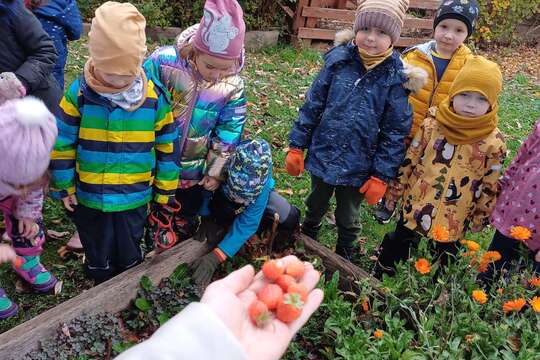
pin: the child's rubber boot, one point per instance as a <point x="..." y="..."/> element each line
<point x="310" y="229"/>
<point x="33" y="272"/>
<point x="382" y="213"/>
<point x="160" y="226"/>
<point x="186" y="227"/>
<point x="7" y="307"/>
<point x="345" y="249"/>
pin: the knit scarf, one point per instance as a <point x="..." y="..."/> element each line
<point x="101" y="87"/>
<point x="460" y="130"/>
<point x="371" y="61"/>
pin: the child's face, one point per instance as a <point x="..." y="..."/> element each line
<point x="114" y="80"/>
<point x="470" y="104"/>
<point x="449" y="35"/>
<point x="212" y="68"/>
<point x="373" y="40"/>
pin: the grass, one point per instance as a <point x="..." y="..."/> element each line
<point x="276" y="80"/>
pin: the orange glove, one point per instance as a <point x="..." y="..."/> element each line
<point x="373" y="190"/>
<point x="295" y="162"/>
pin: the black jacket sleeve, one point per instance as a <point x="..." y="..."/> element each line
<point x="39" y="48"/>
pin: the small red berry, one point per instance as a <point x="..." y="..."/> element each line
<point x="296" y="269"/>
<point x="258" y="313"/>
<point x="271" y="295"/>
<point x="299" y="289"/>
<point x="290" y="308"/>
<point x="273" y="269"/>
<point x="284" y="281"/>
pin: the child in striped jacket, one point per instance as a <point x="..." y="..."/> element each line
<point x="116" y="147"/>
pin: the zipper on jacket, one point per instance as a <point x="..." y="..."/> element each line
<point x="189" y="115"/>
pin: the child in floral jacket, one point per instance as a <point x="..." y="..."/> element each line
<point x="518" y="205"/>
<point x="449" y="176"/>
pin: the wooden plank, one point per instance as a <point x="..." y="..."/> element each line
<point x="341" y="4"/>
<point x="424" y="4"/>
<point x="299" y="20"/>
<point x="413" y="4"/>
<point x="349" y="273"/>
<point x="111" y="296"/>
<point x="349" y="16"/>
<point x="328" y="34"/>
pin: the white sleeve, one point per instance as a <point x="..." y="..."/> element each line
<point x="195" y="333"/>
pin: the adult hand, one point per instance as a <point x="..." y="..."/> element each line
<point x="230" y="298"/>
<point x="69" y="202"/>
<point x="210" y="183"/>
<point x="28" y="228"/>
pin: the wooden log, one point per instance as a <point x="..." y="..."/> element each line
<point x="348" y="272"/>
<point x="349" y="16"/>
<point x="111" y="296"/>
<point x="328" y="34"/>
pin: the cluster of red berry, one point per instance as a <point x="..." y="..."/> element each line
<point x="286" y="296"/>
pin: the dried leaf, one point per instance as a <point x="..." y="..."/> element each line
<point x="289" y="192"/>
<point x="65" y="330"/>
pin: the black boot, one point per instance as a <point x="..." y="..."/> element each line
<point x="345" y="249"/>
<point x="310" y="229"/>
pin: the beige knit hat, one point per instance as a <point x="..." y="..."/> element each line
<point x="387" y="15"/>
<point x="117" y="39"/>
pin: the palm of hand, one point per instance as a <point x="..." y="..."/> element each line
<point x="230" y="299"/>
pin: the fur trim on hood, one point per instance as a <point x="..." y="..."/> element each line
<point x="416" y="76"/>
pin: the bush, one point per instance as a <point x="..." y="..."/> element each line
<point x="499" y="19"/>
<point x="258" y="14"/>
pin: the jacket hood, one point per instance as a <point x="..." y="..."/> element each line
<point x="416" y="77"/>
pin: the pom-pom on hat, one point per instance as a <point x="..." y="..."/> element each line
<point x="28" y="135"/>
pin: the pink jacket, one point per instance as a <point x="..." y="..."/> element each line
<point x="519" y="200"/>
<point x="28" y="206"/>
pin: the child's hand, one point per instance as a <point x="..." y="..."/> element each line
<point x="230" y="298"/>
<point x="7" y="253"/>
<point x="373" y="190"/>
<point x="69" y="202"/>
<point x="210" y="183"/>
<point x="537" y="257"/>
<point x="28" y="228"/>
<point x="294" y="162"/>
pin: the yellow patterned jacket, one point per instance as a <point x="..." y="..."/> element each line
<point x="448" y="185"/>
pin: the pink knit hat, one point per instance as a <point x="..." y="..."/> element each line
<point x="222" y="29"/>
<point x="28" y="132"/>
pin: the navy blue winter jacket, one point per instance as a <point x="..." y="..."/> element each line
<point x="354" y="122"/>
<point x="60" y="19"/>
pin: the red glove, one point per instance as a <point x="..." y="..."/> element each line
<point x="295" y="162"/>
<point x="373" y="190"/>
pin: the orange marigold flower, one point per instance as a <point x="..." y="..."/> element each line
<point x="472" y="246"/>
<point x="514" y="305"/>
<point x="535" y="282"/>
<point x="520" y="233"/>
<point x="535" y="303"/>
<point x="492" y="256"/>
<point x="422" y="266"/>
<point x="487" y="258"/>
<point x="479" y="296"/>
<point x="378" y="334"/>
<point x="440" y="233"/>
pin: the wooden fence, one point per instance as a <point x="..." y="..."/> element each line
<point x="341" y="13"/>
